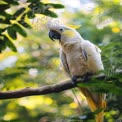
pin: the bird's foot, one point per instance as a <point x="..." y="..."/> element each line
<point x="77" y="79"/>
<point x="86" y="77"/>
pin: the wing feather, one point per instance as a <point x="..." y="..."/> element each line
<point x="64" y="62"/>
<point x="95" y="100"/>
<point x="93" y="55"/>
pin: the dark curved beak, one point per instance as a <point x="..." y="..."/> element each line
<point x="54" y="35"/>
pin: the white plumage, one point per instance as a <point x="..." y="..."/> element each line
<point x="79" y="57"/>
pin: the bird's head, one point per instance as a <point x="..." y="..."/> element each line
<point x="63" y="33"/>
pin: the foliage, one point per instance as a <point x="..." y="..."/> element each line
<point x="36" y="62"/>
<point x="103" y="27"/>
<point x="15" y="22"/>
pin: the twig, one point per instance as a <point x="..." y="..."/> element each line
<point x="48" y="89"/>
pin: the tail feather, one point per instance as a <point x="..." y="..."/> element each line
<point x="95" y="101"/>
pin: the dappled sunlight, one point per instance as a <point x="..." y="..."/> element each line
<point x="36" y="63"/>
<point x="115" y="30"/>
<point x="31" y="103"/>
<point x="73" y="105"/>
<point x="33" y="72"/>
<point x="66" y="111"/>
<point x="55" y="62"/>
<point x="10" y="116"/>
<point x="8" y="62"/>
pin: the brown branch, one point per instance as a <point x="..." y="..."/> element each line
<point x="59" y="87"/>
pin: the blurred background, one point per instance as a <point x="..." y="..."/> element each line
<point x="36" y="62"/>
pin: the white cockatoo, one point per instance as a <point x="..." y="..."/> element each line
<point x="79" y="58"/>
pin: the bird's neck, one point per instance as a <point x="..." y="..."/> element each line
<point x="71" y="43"/>
<point x="68" y="47"/>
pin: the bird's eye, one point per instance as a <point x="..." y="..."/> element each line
<point x="61" y="29"/>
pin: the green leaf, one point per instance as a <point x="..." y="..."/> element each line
<point x="6" y="15"/>
<point x="17" y="13"/>
<point x="1" y="20"/>
<point x="6" y="21"/>
<point x="40" y="8"/>
<point x="12" y="32"/>
<point x="30" y="15"/>
<point x="2" y="30"/>
<point x="2" y="45"/>
<point x="33" y="0"/>
<point x="101" y="86"/>
<point x="50" y="13"/>
<point x="25" y="24"/>
<point x="19" y="30"/>
<point x="37" y="6"/>
<point x="4" y="7"/>
<point x="10" y="44"/>
<point x="59" y="6"/>
<point x="12" y="2"/>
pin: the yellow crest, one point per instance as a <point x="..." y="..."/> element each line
<point x="73" y="26"/>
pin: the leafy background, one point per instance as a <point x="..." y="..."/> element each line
<point x="29" y="58"/>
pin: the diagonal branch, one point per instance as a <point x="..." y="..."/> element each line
<point x="28" y="91"/>
<point x="48" y="89"/>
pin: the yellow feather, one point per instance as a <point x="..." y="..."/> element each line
<point x="95" y="105"/>
<point x="73" y="26"/>
<point x="69" y="33"/>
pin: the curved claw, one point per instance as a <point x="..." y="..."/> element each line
<point x="85" y="78"/>
<point x="76" y="79"/>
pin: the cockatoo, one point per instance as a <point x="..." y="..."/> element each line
<point x="79" y="58"/>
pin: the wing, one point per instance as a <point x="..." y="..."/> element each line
<point x="64" y="62"/>
<point x="91" y="54"/>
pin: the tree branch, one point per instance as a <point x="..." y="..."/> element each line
<point x="48" y="89"/>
